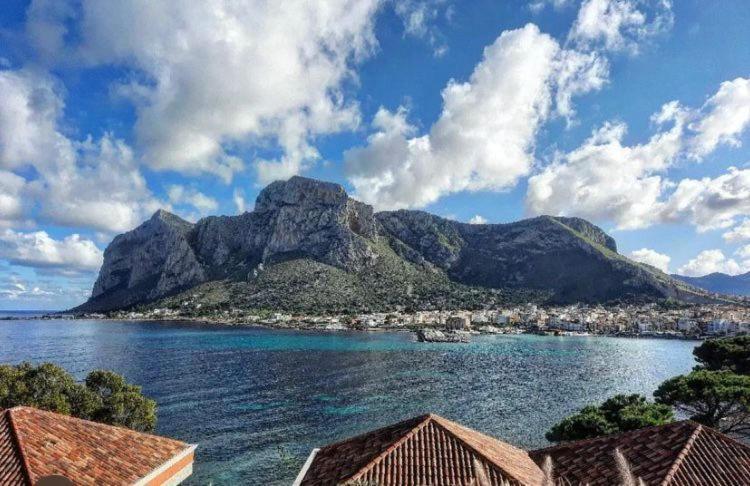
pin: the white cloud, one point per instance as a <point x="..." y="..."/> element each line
<point x="92" y="184"/>
<point x="744" y="253"/>
<point x="478" y="219"/>
<point x="537" y="6"/>
<point x="725" y="115"/>
<point x="710" y="203"/>
<point x="483" y="139"/>
<point x="39" y="250"/>
<point x="419" y="16"/>
<point x="12" y="201"/>
<point x="29" y="109"/>
<point x="189" y="196"/>
<point x="32" y="294"/>
<point x="208" y="76"/>
<point x="578" y="73"/>
<point x="239" y="201"/>
<point x="620" y="25"/>
<point x="711" y="261"/>
<point x="606" y="180"/>
<point x="651" y="257"/>
<point x="741" y="232"/>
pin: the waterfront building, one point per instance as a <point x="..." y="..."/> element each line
<point x="38" y="447"/>
<point x="458" y="323"/>
<point x="721" y="326"/>
<point x="433" y="450"/>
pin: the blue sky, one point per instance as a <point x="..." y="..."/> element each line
<point x="631" y="113"/>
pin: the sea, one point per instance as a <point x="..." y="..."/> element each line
<point x="257" y="401"/>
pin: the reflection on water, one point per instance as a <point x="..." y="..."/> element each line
<point x="242" y="393"/>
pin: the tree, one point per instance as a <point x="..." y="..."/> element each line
<point x="732" y="354"/>
<point x="122" y="403"/>
<point x="618" y="414"/>
<point x="719" y="399"/>
<point x="104" y="397"/>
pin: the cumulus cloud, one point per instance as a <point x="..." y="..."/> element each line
<point x="207" y="76"/>
<point x="90" y="183"/>
<point x="651" y="257"/>
<point x="478" y="219"/>
<point x="620" y="25"/>
<point x="711" y="261"/>
<point x="741" y="232"/>
<point x="726" y="114"/>
<point x="189" y="196"/>
<point x="39" y="250"/>
<point x="604" y="179"/>
<point x="12" y="202"/>
<point x="577" y="73"/>
<point x="710" y="203"/>
<point x="482" y="140"/>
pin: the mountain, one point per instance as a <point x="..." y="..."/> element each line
<point x="720" y="283"/>
<point x="308" y="246"/>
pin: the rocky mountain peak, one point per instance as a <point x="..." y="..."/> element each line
<point x="300" y="191"/>
<point x="164" y="219"/>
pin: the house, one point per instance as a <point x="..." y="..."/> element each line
<point x="36" y="445"/>
<point x="686" y="325"/>
<point x="433" y="450"/>
<point x="458" y="323"/>
<point x="400" y="453"/>
<point x="677" y="454"/>
<point x="721" y="326"/>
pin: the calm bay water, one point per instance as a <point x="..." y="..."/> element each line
<point x="243" y="393"/>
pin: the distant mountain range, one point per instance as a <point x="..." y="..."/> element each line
<point x="720" y="283"/>
<point x="307" y="246"/>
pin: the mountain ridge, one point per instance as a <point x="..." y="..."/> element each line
<point x="721" y="283"/>
<point x="307" y="241"/>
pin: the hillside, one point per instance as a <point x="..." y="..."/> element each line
<point x="308" y="246"/>
<point x="720" y="283"/>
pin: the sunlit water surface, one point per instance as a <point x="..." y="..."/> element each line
<point x="243" y="393"/>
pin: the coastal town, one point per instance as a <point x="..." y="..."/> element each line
<point x="626" y="320"/>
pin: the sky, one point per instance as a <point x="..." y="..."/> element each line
<point x="633" y="114"/>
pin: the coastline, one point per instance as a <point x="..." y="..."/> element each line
<point x="328" y="328"/>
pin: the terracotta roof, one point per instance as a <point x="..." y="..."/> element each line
<point x="677" y="454"/>
<point x="11" y="462"/>
<point x="36" y="443"/>
<point x="425" y="450"/>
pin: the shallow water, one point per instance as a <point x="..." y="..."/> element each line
<point x="243" y="393"/>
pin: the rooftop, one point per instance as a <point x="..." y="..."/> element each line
<point x="677" y="454"/>
<point x="36" y="443"/>
<point x="433" y="450"/>
<point x="428" y="449"/>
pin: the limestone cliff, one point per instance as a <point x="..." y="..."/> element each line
<point x="309" y="237"/>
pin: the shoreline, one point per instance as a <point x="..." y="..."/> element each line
<point x="301" y="326"/>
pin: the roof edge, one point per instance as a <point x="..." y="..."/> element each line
<point x="681" y="456"/>
<point x="166" y="465"/>
<point x="422" y="423"/>
<point x="305" y="467"/>
<point x="17" y="442"/>
<point x="484" y="456"/>
<point x="607" y="436"/>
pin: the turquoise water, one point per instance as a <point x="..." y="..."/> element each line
<point x="243" y="393"/>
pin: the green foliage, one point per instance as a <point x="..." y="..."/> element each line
<point x="719" y="399"/>
<point x="618" y="414"/>
<point x="732" y="354"/>
<point x="104" y="397"/>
